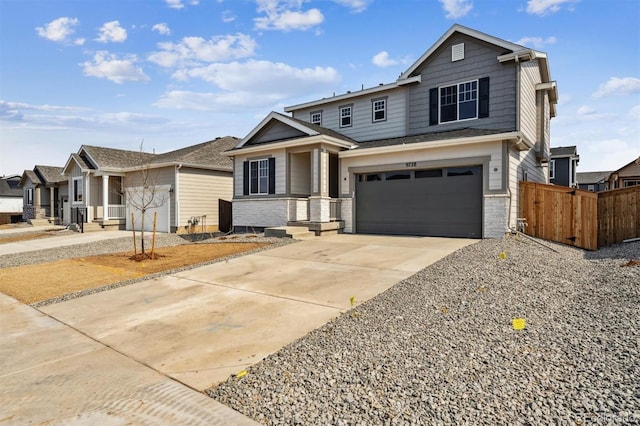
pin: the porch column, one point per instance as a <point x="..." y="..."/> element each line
<point x="51" y="203"/>
<point x="105" y="198"/>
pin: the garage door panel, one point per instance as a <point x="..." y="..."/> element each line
<point x="434" y="206"/>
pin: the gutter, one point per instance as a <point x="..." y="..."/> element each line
<point x="290" y="143"/>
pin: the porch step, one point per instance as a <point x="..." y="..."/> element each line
<point x="39" y="222"/>
<point x="295" y="232"/>
<point x="88" y="227"/>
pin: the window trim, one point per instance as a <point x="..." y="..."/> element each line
<point x="591" y="188"/>
<point x="340" y="109"/>
<point x="29" y="194"/>
<point x="312" y="113"/>
<point x="552" y="169"/>
<point x="373" y="109"/>
<point x="264" y="162"/>
<point x="75" y="198"/>
<point x="457" y="100"/>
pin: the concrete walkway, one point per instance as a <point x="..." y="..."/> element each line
<point x="55" y="241"/>
<point x="198" y="327"/>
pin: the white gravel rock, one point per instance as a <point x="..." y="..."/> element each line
<point x="440" y="348"/>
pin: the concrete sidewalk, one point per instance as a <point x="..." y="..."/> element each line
<point x="58" y="241"/>
<point x="138" y="354"/>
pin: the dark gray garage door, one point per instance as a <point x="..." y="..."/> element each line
<point x="444" y="202"/>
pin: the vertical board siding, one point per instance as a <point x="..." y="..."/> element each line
<point x="529" y="77"/>
<point x="480" y="61"/>
<point x="200" y="191"/>
<point x="560" y="214"/>
<point x="363" y="128"/>
<point x="618" y="215"/>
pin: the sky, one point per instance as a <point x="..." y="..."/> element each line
<point x="165" y="74"/>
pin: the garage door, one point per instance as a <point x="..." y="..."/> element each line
<point x="444" y="202"/>
<point x="156" y="202"/>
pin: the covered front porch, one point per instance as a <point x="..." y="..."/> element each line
<point x="105" y="201"/>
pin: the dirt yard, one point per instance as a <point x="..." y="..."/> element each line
<point x="34" y="283"/>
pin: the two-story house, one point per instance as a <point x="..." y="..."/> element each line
<point x="563" y="165"/>
<point x="438" y="152"/>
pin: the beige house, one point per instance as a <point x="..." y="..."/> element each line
<point x="626" y="176"/>
<point x="45" y="192"/>
<point x="438" y="152"/>
<point x="183" y="186"/>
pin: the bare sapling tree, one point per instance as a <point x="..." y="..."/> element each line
<point x="143" y="194"/>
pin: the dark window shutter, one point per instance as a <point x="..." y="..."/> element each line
<point x="433" y="106"/>
<point x="483" y="89"/>
<point x="272" y="175"/>
<point x="245" y="178"/>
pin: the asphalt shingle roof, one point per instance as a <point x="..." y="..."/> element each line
<point x="50" y="174"/>
<point x="564" y="151"/>
<point x="429" y="137"/>
<point x="33" y="177"/>
<point x="8" y="189"/>
<point x="206" y="154"/>
<point x="112" y="158"/>
<point x="592" y="177"/>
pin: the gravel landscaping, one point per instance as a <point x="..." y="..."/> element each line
<point x="440" y="347"/>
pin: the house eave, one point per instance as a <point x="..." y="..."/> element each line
<point x="289" y="144"/>
<point x="513" y="137"/>
<point x="176" y="164"/>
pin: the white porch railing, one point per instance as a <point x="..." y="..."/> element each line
<point x="117" y="211"/>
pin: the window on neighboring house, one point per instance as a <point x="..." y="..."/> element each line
<point x="77" y="190"/>
<point x="591" y="188"/>
<point x="259" y="176"/>
<point x="29" y="192"/>
<point x="379" y="110"/>
<point x="629" y="183"/>
<point x="461" y="101"/>
<point x="345" y="116"/>
<point x="552" y="169"/>
<point x="316" y="118"/>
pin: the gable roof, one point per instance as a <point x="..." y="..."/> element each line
<point x="50" y="174"/>
<point x="8" y="189"/>
<point x="208" y="154"/>
<point x="113" y="159"/>
<point x="631" y="163"/>
<point x="584" y="178"/>
<point x="307" y="129"/>
<point x="564" y="151"/>
<point x="30" y="174"/>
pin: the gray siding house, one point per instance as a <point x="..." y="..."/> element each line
<point x="45" y="192"/>
<point x="593" y="181"/>
<point x="563" y="165"/>
<point x="438" y="152"/>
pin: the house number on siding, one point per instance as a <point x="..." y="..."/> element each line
<point x="412" y="164"/>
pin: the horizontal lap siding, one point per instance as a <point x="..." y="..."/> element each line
<point x="281" y="170"/>
<point x="480" y="61"/>
<point x="200" y="191"/>
<point x="363" y="128"/>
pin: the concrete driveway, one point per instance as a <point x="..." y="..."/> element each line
<point x="201" y="326"/>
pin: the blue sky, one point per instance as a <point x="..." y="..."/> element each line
<point x="174" y="73"/>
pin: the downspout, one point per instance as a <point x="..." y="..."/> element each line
<point x="176" y="195"/>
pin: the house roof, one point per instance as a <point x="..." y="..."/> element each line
<point x="50" y="174"/>
<point x="32" y="176"/>
<point x="112" y="158"/>
<point x="9" y="188"/>
<point x="631" y="163"/>
<point x="584" y="178"/>
<point x="429" y="137"/>
<point x="207" y="154"/>
<point x="564" y="151"/>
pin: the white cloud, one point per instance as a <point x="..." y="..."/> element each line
<point x="228" y="16"/>
<point x="618" y="86"/>
<point x="546" y="7"/>
<point x="382" y="60"/>
<point x="585" y="110"/>
<point x="174" y="4"/>
<point x="223" y="101"/>
<point x="286" y="15"/>
<point x="456" y="8"/>
<point x="112" y="31"/>
<point x="356" y="6"/>
<point x="635" y="113"/>
<point x="109" y="66"/>
<point x="193" y="50"/>
<point x="59" y="29"/>
<point x="161" y="28"/>
<point x="537" y="42"/>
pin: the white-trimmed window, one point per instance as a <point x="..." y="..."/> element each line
<point x="345" y="116"/>
<point x="552" y="169"/>
<point x="459" y="102"/>
<point x="378" y="110"/>
<point x="259" y="177"/>
<point x="316" y="118"/>
<point x="591" y="188"/>
<point x="29" y="194"/>
<point x="630" y="183"/>
<point x="77" y="188"/>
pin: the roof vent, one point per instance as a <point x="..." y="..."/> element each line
<point x="457" y="52"/>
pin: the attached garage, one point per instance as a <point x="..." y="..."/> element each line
<point x="443" y="202"/>
<point x="156" y="201"/>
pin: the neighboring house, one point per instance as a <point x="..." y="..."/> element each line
<point x="563" y="165"/>
<point x="10" y="199"/>
<point x="438" y="152"/>
<point x="106" y="185"/>
<point x="593" y="181"/>
<point x="45" y="191"/>
<point x="626" y="176"/>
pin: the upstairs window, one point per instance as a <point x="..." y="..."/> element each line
<point x="379" y="110"/>
<point x="345" y="116"/>
<point x="316" y="118"/>
<point x="458" y="102"/>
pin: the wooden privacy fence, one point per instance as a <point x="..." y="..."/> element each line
<point x="225" y="214"/>
<point x="584" y="219"/>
